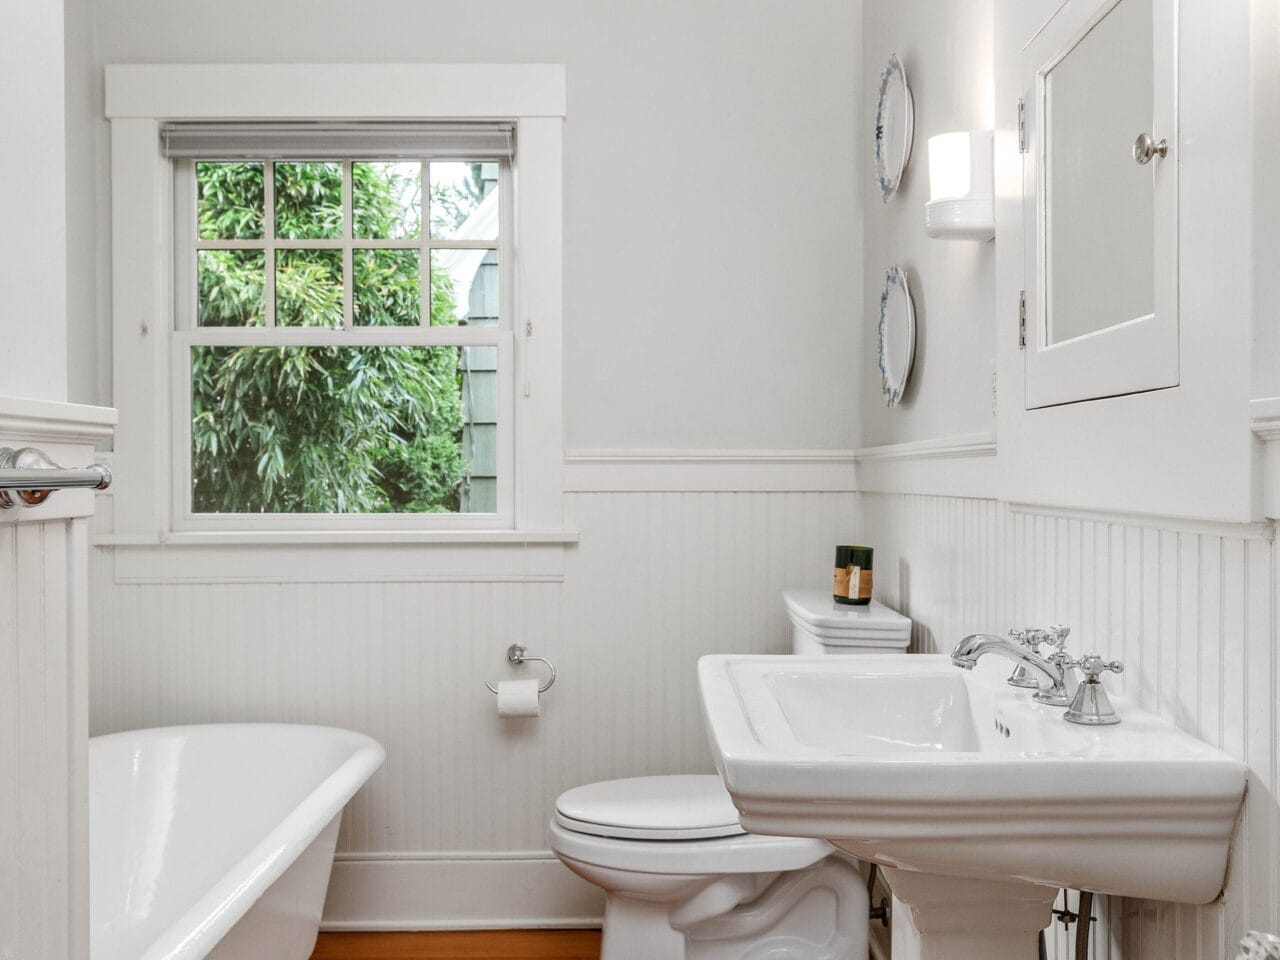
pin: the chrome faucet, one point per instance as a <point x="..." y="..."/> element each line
<point x="1091" y="706"/>
<point x="1050" y="676"/>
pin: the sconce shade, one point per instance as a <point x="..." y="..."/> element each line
<point x="961" y="186"/>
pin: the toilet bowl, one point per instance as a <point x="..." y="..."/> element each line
<point x="684" y="881"/>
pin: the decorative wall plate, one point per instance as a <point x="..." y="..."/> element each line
<point x="1259" y="946"/>
<point x="895" y="127"/>
<point x="897" y="335"/>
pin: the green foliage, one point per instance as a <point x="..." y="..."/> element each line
<point x="320" y="429"/>
<point x="452" y="202"/>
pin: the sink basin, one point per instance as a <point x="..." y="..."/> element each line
<point x="918" y="765"/>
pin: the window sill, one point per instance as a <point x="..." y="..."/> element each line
<point x="222" y="538"/>
<point x="348" y="556"/>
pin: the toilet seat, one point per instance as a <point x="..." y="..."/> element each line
<point x="679" y="825"/>
<point x="745" y="853"/>
<point x="675" y="807"/>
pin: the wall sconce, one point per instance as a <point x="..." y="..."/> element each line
<point x="960" y="203"/>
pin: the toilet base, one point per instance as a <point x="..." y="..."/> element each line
<point x="639" y="930"/>
<point x="818" y="913"/>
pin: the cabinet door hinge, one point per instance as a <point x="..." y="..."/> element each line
<point x="1022" y="127"/>
<point x="1022" y="319"/>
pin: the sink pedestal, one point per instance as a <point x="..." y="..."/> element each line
<point x="959" y="918"/>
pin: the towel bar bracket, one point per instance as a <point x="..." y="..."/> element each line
<point x="28" y="476"/>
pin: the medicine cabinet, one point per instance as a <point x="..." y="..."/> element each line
<point x="1098" y="132"/>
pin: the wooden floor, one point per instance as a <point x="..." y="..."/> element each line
<point x="469" y="945"/>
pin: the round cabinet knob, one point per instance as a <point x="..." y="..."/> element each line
<point x="1145" y="148"/>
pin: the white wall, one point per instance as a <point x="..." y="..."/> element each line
<point x="946" y="51"/>
<point x="43" y="706"/>
<point x="1190" y="609"/>
<point x="452" y="830"/>
<point x="88" y="237"/>
<point x="1188" y="604"/>
<point x="710" y="219"/>
<point x="712" y="277"/>
<point x="1186" y="451"/>
<point x="33" y="302"/>
<point x="1265" y="67"/>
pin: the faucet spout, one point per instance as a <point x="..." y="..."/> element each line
<point x="973" y="648"/>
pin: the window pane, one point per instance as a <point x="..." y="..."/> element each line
<point x="464" y="201"/>
<point x="387" y="288"/>
<point x="308" y="201"/>
<point x="230" y="288"/>
<point x="479" y="369"/>
<point x="229" y="201"/>
<point x="464" y="288"/>
<point x="333" y="430"/>
<point x="308" y="288"/>
<point x="387" y="200"/>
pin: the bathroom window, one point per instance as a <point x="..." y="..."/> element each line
<point x="341" y="341"/>
<point x="321" y="335"/>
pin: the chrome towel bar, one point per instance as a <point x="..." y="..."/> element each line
<point x="32" y="476"/>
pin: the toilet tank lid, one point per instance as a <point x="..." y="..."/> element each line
<point x="819" y="611"/>
<point x="666" y="807"/>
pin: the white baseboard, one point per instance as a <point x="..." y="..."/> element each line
<point x="458" y="892"/>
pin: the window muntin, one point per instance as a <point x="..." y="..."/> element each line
<point x="312" y="310"/>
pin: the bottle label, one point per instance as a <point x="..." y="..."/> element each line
<point x="841" y="587"/>
<point x="863" y="587"/>
<point x="852" y="582"/>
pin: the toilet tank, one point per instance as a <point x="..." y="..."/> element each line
<point x="820" y="625"/>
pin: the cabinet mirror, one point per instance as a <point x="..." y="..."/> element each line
<point x="1101" y="173"/>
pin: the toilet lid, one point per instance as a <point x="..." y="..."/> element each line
<point x="842" y="624"/>
<point x="679" y="807"/>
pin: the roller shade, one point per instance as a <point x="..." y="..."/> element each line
<point x="338" y="141"/>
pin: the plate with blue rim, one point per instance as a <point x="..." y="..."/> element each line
<point x="897" y="335"/>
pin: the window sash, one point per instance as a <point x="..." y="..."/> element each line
<point x="185" y="519"/>
<point x="188" y="244"/>
<point x="187" y="334"/>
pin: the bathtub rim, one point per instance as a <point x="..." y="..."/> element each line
<point x="196" y="931"/>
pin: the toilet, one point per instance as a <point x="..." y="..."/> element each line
<point x="684" y="881"/>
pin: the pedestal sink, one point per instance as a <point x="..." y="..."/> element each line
<point x="979" y="802"/>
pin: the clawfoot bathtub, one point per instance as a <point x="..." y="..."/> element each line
<point x="216" y="841"/>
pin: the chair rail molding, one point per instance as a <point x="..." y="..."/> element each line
<point x="67" y="432"/>
<point x="940" y="448"/>
<point x="690" y="470"/>
<point x="46" y="421"/>
<point x="962" y="465"/>
<point x="1260" y="530"/>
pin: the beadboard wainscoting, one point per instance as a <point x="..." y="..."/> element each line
<point x="43" y="790"/>
<point x="1190" y="607"/>
<point x="451" y="832"/>
<point x="44" y="771"/>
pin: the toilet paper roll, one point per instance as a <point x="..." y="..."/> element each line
<point x="518" y="698"/>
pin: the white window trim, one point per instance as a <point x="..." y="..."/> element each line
<point x="140" y="97"/>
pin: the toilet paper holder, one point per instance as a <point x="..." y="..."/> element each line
<point x="516" y="653"/>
